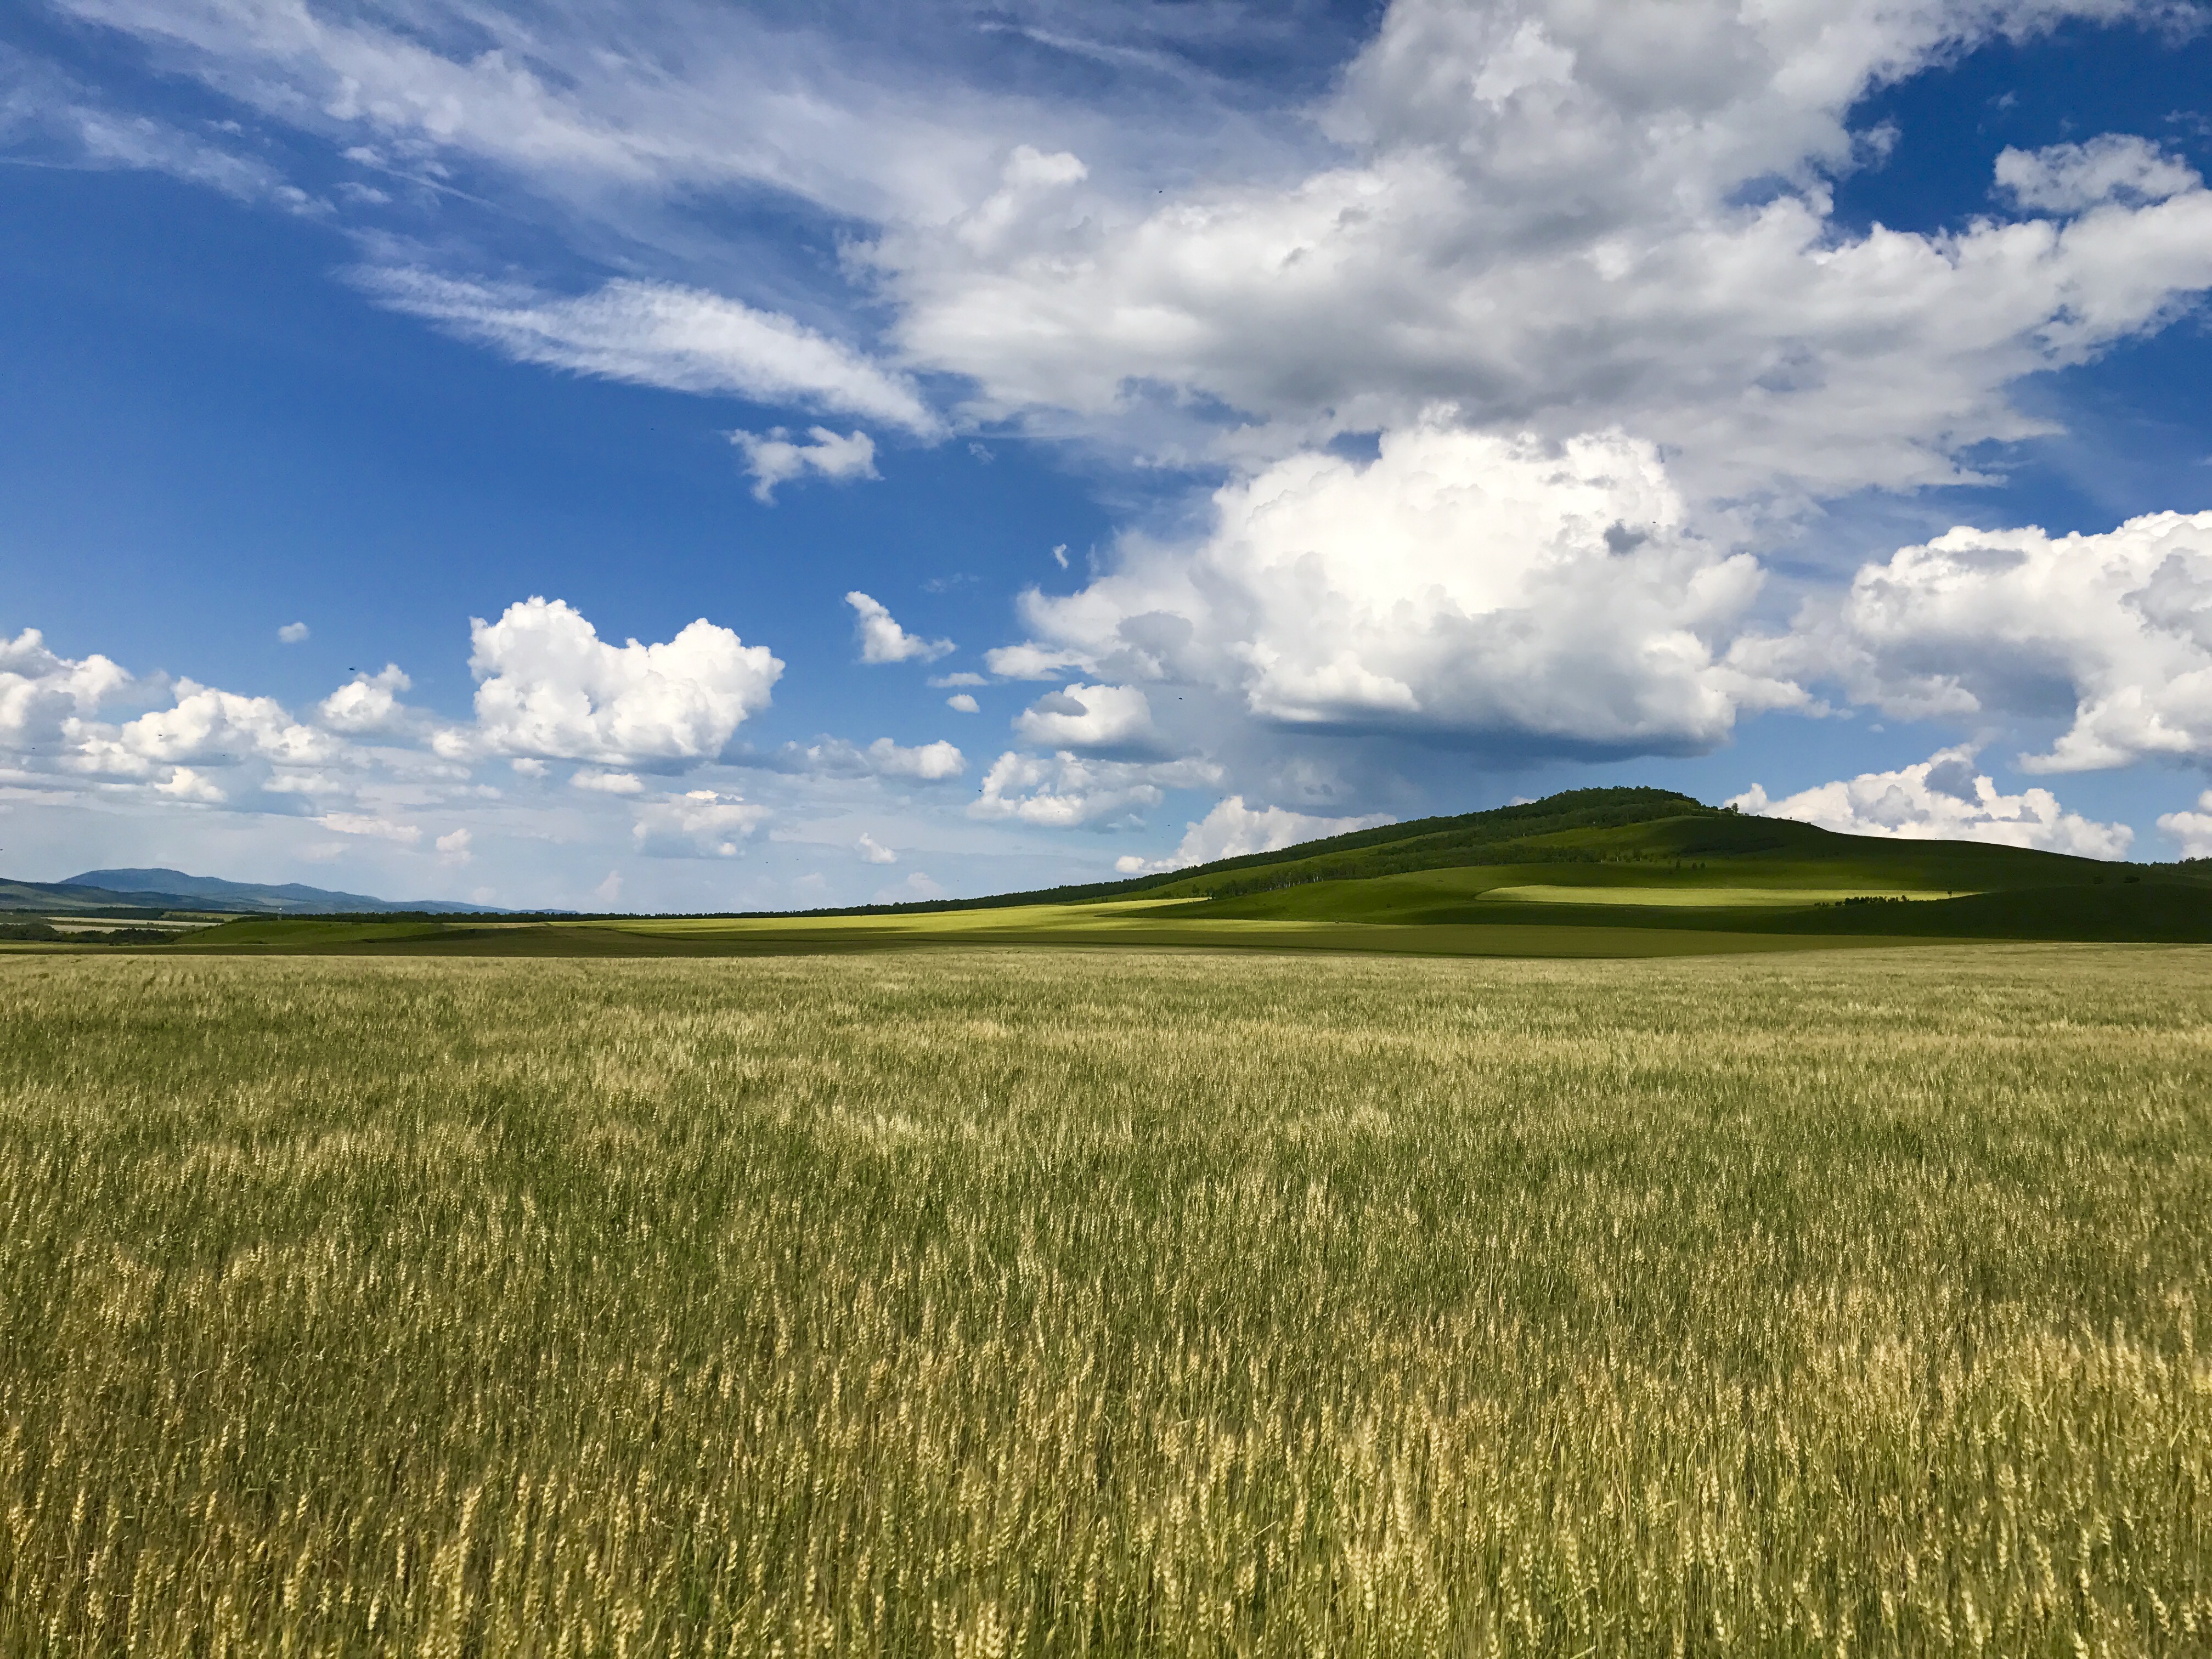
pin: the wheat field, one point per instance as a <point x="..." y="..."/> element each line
<point x="991" y="1303"/>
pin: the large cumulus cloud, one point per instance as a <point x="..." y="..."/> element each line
<point x="2111" y="634"/>
<point x="1511" y="590"/>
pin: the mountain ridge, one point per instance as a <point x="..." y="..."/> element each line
<point x="162" y="889"/>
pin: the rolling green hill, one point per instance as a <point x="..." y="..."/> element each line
<point x="1592" y="873"/>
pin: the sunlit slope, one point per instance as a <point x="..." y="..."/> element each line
<point x="1709" y="871"/>
<point x="1692" y="846"/>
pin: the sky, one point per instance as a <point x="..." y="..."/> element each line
<point x="757" y="457"/>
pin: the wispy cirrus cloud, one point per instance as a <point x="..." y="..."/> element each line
<point x="683" y="339"/>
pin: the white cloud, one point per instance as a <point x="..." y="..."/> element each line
<point x="42" y="693"/>
<point x="551" y="688"/>
<point x="700" y="824"/>
<point x="362" y="823"/>
<point x="608" y="783"/>
<point x="183" y="783"/>
<point x="1943" y="799"/>
<point x="873" y="852"/>
<point x="961" y="702"/>
<point x="944" y="682"/>
<point x="369" y="703"/>
<point x="1563" y="218"/>
<point x="453" y="847"/>
<point x="835" y="757"/>
<point x="293" y="633"/>
<point x="48" y="117"/>
<point x="1089" y="718"/>
<point x="1234" y="831"/>
<point x="882" y="640"/>
<point x="1504" y="589"/>
<point x="683" y="339"/>
<point x="773" y="457"/>
<point x="595" y="111"/>
<point x="1031" y="661"/>
<point x="2114" y="630"/>
<point x="208" y="726"/>
<point x="1538" y="215"/>
<point x="2192" y="829"/>
<point x="1066" y="791"/>
<point x="2074" y="177"/>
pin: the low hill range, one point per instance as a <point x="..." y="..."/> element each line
<point x="111" y="890"/>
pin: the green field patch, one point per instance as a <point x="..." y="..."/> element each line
<point x="1719" y="897"/>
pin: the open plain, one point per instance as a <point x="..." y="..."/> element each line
<point x="1044" y="1302"/>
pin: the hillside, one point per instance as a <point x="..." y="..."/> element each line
<point x="1593" y="872"/>
<point x="1623" y="859"/>
<point x="1616" y="838"/>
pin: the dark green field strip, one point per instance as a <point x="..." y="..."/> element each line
<point x="1542" y="933"/>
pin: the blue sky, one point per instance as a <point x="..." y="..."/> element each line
<point x="441" y="446"/>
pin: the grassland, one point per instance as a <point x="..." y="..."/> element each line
<point x="1047" y="1302"/>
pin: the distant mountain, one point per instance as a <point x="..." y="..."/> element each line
<point x="173" y="889"/>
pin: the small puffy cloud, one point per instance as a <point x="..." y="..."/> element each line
<point x="549" y="686"/>
<point x="873" y="852"/>
<point x="293" y="633"/>
<point x="1089" y="718"/>
<point x="453" y="846"/>
<point x="882" y="640"/>
<point x="183" y="783"/>
<point x="961" y="702"/>
<point x="2192" y="829"/>
<point x="700" y="825"/>
<point x="1233" y="830"/>
<point x="835" y="757"/>
<point x="774" y="458"/>
<point x="609" y="783"/>
<point x="308" y="783"/>
<point x="529" y="767"/>
<point x="945" y="682"/>
<point x="1032" y="661"/>
<point x="2073" y="178"/>
<point x="369" y="703"/>
<point x="1943" y="799"/>
<point x="1500" y="590"/>
<point x="930" y="763"/>
<point x="2113" y="629"/>
<point x="1066" y="791"/>
<point x="658" y="334"/>
<point x="362" y="823"/>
